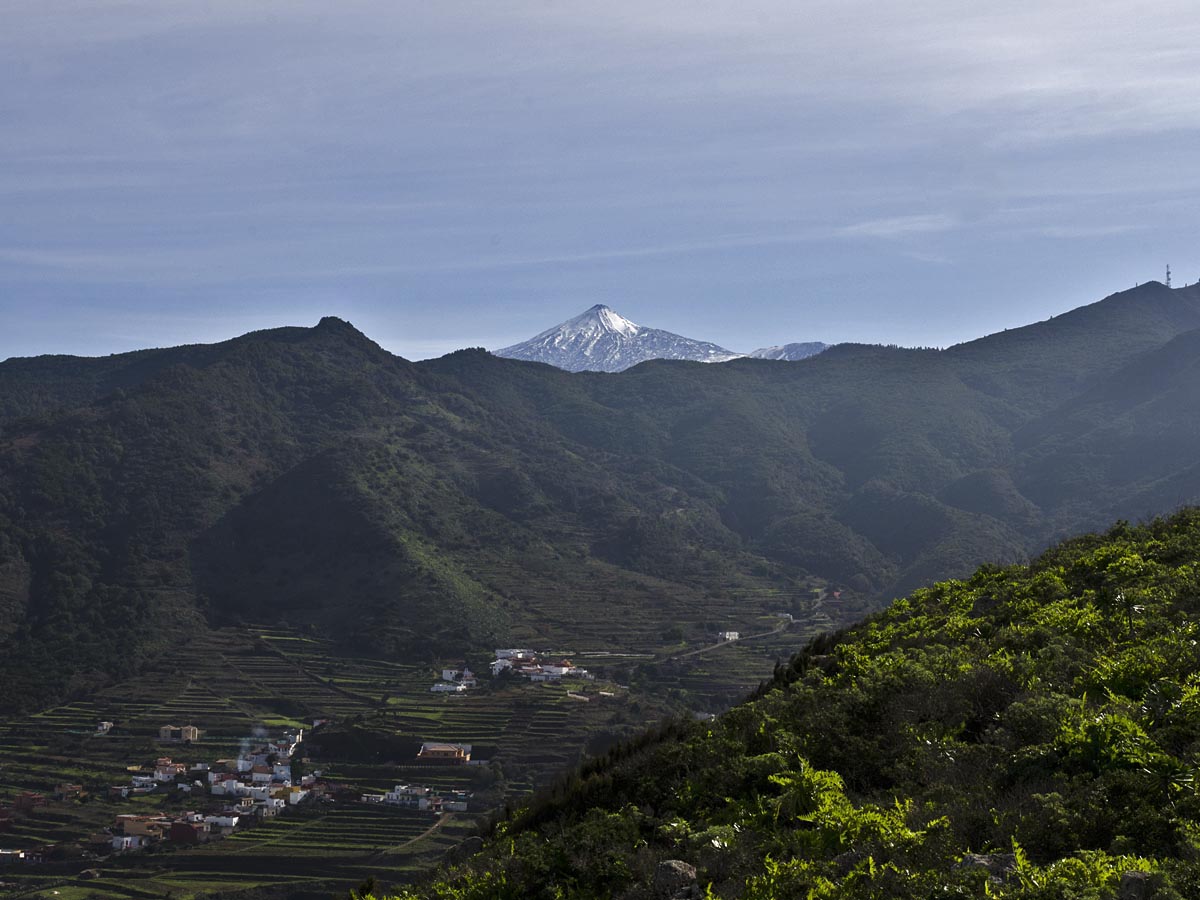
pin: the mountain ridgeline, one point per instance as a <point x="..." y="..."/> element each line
<point x="790" y="352"/>
<point x="307" y="475"/>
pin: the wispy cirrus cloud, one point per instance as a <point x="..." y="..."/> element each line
<point x="899" y="226"/>
<point x="1090" y="231"/>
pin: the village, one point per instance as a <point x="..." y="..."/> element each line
<point x="229" y="794"/>
<point x="256" y="785"/>
<point x="510" y="662"/>
<point x="382" y="769"/>
<point x="174" y="800"/>
<point x="224" y="796"/>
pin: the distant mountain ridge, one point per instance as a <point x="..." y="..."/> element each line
<point x="421" y="508"/>
<point x="790" y="352"/>
<point x="602" y="340"/>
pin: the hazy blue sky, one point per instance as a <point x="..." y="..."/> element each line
<point x="449" y="174"/>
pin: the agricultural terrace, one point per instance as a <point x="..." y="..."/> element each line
<point x="235" y="682"/>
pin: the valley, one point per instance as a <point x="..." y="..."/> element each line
<point x="296" y="526"/>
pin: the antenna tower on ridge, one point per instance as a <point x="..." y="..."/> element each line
<point x="1168" y="275"/>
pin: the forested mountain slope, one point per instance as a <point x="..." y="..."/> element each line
<point x="1029" y="732"/>
<point x="306" y="474"/>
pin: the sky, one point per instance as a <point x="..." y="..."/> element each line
<point x="468" y="173"/>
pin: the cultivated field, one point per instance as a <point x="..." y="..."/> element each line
<point x="235" y="683"/>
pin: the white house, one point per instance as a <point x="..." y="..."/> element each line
<point x="445" y="687"/>
<point x="296" y="795"/>
<point x="728" y="635"/>
<point x="229" y="787"/>
<point x="411" y="796"/>
<point x="456" y="801"/>
<point x="290" y="795"/>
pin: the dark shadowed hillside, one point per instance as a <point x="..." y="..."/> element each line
<point x="307" y="475"/>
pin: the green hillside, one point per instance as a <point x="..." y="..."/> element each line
<point x="306" y="476"/>
<point x="1029" y="732"/>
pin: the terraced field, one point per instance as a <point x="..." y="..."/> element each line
<point x="321" y="848"/>
<point x="232" y="684"/>
<point x="235" y="682"/>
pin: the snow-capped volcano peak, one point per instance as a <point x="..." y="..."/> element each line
<point x="603" y="340"/>
<point x="597" y="321"/>
<point x="609" y="319"/>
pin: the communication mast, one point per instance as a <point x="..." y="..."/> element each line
<point x="1168" y="275"/>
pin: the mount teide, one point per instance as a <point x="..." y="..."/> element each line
<point x="602" y="340"/>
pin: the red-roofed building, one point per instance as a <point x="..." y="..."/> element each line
<point x="437" y="754"/>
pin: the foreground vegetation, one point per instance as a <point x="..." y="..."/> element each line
<point x="1030" y="732"/>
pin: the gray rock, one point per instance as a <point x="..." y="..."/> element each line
<point x="674" y="878"/>
<point x="1136" y="886"/>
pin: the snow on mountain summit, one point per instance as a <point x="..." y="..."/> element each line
<point x="602" y="340"/>
<point x="596" y="322"/>
<point x="790" y="352"/>
<point x="611" y="320"/>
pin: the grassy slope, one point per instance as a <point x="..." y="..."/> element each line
<point x="1049" y="711"/>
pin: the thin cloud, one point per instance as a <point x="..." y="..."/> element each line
<point x="899" y="226"/>
<point x="1089" y="231"/>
